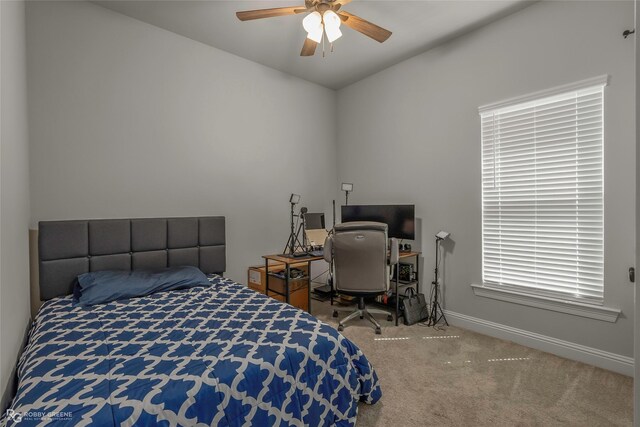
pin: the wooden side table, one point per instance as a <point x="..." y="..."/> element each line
<point x="287" y="261"/>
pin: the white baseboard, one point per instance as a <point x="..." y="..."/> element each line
<point x="592" y="356"/>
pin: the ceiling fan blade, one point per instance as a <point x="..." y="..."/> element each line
<point x="309" y="47"/>
<point x="377" y="33"/>
<point x="248" y="15"/>
<point x="343" y="2"/>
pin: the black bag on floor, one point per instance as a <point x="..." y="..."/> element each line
<point x="415" y="307"/>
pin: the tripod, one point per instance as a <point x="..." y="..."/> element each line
<point x="295" y="246"/>
<point x="436" y="310"/>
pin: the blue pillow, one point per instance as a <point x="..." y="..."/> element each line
<point x="105" y="286"/>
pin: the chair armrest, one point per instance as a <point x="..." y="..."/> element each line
<point x="327" y="250"/>
<point x="394" y="252"/>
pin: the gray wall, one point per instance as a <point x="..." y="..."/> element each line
<point x="411" y="133"/>
<point x="14" y="188"/>
<point x="636" y="382"/>
<point x="129" y="120"/>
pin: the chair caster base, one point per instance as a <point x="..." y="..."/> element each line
<point x="378" y="331"/>
<point x="335" y="313"/>
<point x="389" y="318"/>
<point x="340" y="328"/>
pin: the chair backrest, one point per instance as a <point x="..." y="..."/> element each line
<point x="360" y="256"/>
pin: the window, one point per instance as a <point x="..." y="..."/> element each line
<point x="542" y="193"/>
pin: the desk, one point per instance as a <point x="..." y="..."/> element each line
<point x="287" y="261"/>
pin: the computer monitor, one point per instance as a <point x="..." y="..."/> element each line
<point x="399" y="218"/>
<point x="314" y="221"/>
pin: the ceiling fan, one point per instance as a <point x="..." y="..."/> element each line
<point x="323" y="18"/>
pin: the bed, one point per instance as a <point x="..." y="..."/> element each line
<point x="219" y="354"/>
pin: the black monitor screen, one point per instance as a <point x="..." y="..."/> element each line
<point x="399" y="218"/>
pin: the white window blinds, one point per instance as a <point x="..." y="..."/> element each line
<point x="542" y="193"/>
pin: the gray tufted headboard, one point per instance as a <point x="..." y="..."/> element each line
<point x="69" y="248"/>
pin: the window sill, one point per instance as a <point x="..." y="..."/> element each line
<point x="563" y="306"/>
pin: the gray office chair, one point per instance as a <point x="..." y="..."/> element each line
<point x="362" y="256"/>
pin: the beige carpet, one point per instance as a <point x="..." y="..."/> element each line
<point x="454" y="377"/>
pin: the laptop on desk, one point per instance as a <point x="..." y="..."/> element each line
<point x="317" y="237"/>
<point x="315" y="232"/>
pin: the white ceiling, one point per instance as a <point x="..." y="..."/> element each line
<point x="417" y="25"/>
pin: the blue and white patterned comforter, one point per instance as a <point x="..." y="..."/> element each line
<point x="218" y="355"/>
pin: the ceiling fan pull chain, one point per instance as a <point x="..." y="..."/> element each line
<point x="331" y="47"/>
<point x="323" y="46"/>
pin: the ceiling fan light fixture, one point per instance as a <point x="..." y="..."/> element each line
<point x="331" y="19"/>
<point x="315" y="35"/>
<point x="332" y="25"/>
<point x="333" y="33"/>
<point x="312" y="21"/>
